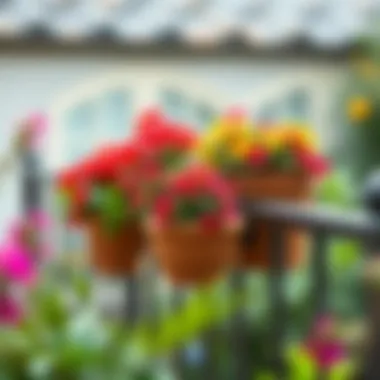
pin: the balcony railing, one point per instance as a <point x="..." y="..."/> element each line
<point x="320" y="224"/>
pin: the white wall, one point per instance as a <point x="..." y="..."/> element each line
<point x="30" y="82"/>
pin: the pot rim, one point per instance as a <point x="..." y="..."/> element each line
<point x="151" y="224"/>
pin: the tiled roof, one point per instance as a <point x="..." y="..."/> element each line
<point x="323" y="24"/>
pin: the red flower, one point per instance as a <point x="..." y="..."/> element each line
<point x="186" y="185"/>
<point x="149" y="121"/>
<point x="110" y="162"/>
<point x="258" y="156"/>
<point x="199" y="195"/>
<point x="163" y="208"/>
<point x="314" y="164"/>
<point x="121" y="164"/>
<point x="161" y="136"/>
<point x="74" y="184"/>
<point x="68" y="178"/>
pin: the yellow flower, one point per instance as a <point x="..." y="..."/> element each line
<point x="288" y="135"/>
<point x="273" y="137"/>
<point x="205" y="150"/>
<point x="241" y="149"/>
<point x="359" y="109"/>
<point x="233" y="137"/>
<point x="300" y="137"/>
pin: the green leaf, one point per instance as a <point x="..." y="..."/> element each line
<point x="283" y="160"/>
<point x="111" y="205"/>
<point x="342" y="371"/>
<point x="344" y="255"/>
<point x="301" y="366"/>
<point x="264" y="376"/>
<point x="336" y="189"/>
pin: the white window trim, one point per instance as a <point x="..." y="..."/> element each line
<point x="145" y="84"/>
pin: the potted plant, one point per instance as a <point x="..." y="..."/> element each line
<point x="193" y="226"/>
<point x="271" y="162"/>
<point x="102" y="194"/>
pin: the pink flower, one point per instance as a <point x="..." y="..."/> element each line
<point x="10" y="311"/>
<point x="16" y="264"/>
<point x="324" y="345"/>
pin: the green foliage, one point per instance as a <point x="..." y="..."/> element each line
<point x="343" y="371"/>
<point x="300" y="365"/>
<point x="337" y="190"/>
<point x="64" y="337"/>
<point x="284" y="160"/>
<point x="192" y="209"/>
<point x="359" y="140"/>
<point x="112" y="206"/>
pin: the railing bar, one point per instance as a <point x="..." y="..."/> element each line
<point x="31" y="182"/>
<point x="320" y="272"/>
<point x="240" y="337"/>
<point x="210" y="364"/>
<point x="277" y="296"/>
<point x="179" y="355"/>
<point x="371" y="364"/>
<point x="132" y="302"/>
<point x="353" y="224"/>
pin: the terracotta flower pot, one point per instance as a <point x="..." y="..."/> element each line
<point x="190" y="255"/>
<point x="114" y="253"/>
<point x="282" y="187"/>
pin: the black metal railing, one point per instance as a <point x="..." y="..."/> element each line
<point x="320" y="223"/>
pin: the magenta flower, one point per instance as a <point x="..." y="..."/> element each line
<point x="16" y="264"/>
<point x="10" y="311"/>
<point x="325" y="347"/>
<point x="18" y="261"/>
<point x="326" y="354"/>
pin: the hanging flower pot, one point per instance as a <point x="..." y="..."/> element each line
<point x="255" y="252"/>
<point x="189" y="254"/>
<point x="102" y="192"/>
<point x="114" y="252"/>
<point x="193" y="228"/>
<point x="277" y="162"/>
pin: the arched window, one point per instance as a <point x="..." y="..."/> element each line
<point x="80" y="130"/>
<point x="115" y="108"/>
<point x="188" y="108"/>
<point x="294" y="105"/>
